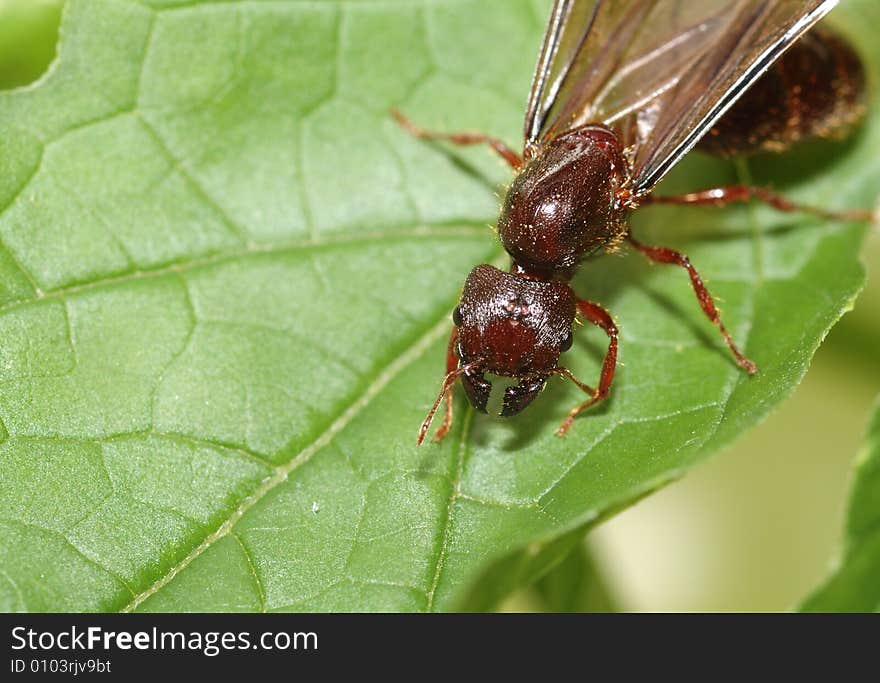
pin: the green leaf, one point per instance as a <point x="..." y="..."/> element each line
<point x="575" y="585"/>
<point x="225" y="287"/>
<point x="853" y="586"/>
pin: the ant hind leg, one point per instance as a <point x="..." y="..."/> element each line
<point x="730" y="194"/>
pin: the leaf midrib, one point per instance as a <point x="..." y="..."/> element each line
<point x="281" y="472"/>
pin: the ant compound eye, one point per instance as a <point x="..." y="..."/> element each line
<point x="566" y="343"/>
<point x="456" y="316"/>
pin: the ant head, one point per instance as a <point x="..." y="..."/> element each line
<point x="512" y="326"/>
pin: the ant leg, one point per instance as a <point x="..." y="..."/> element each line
<point x="722" y="196"/>
<point x="664" y="255"/>
<point x="452" y="373"/>
<point x="600" y="318"/>
<point x="506" y="153"/>
<point x="451" y="365"/>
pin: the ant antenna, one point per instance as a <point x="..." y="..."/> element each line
<point x="448" y="381"/>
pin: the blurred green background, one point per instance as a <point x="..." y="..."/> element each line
<point x="754" y="529"/>
<point x="28" y="33"/>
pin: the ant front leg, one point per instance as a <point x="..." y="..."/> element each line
<point x="464" y="139"/>
<point x="730" y="194"/>
<point x="664" y="255"/>
<point x="451" y="366"/>
<point x="600" y="318"/>
<point x="452" y="374"/>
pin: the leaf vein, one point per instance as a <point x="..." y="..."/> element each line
<point x="281" y="473"/>
<point x="261" y="591"/>
<point x="256" y="250"/>
<point x="454" y="493"/>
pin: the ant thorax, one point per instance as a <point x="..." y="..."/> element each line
<point x="563" y="203"/>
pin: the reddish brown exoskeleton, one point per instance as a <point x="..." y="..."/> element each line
<point x="622" y="91"/>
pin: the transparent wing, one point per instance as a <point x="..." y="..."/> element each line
<point x="659" y="72"/>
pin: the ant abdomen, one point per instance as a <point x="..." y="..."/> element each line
<point x="816" y="89"/>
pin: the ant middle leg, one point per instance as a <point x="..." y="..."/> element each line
<point x="597" y="315"/>
<point x="730" y="194"/>
<point x="707" y="303"/>
<point x="505" y="152"/>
